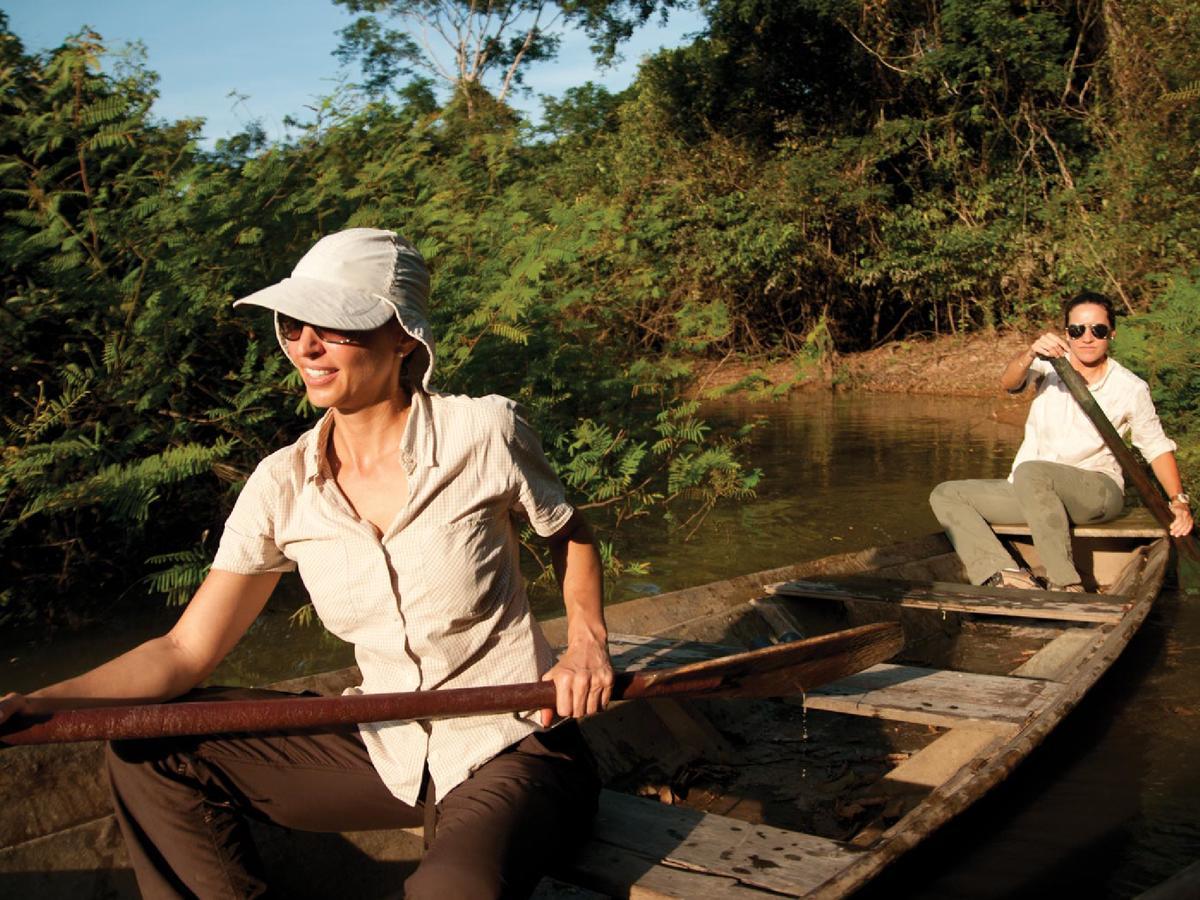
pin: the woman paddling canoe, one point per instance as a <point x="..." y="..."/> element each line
<point x="398" y="509"/>
<point x="1064" y="472"/>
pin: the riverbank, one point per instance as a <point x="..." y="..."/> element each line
<point x="948" y="366"/>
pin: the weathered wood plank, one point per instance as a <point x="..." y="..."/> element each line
<point x="728" y="851"/>
<point x="977" y="599"/>
<point x="941" y="760"/>
<point x="1137" y="523"/>
<point x="935" y="696"/>
<point x="67" y="781"/>
<point x="1060" y="657"/>
<point x="686" y="612"/>
<point x="616" y="872"/>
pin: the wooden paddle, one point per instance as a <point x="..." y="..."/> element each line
<point x="778" y="670"/>
<point x="1187" y="548"/>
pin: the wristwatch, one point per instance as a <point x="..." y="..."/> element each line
<point x="1183" y="498"/>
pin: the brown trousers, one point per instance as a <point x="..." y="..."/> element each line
<point x="183" y="806"/>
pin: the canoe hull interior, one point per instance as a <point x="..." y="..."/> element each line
<point x="801" y="796"/>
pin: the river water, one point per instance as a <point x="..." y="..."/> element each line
<point x="1106" y="808"/>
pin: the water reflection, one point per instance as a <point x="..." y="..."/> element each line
<point x="841" y="473"/>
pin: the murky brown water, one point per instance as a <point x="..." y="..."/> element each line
<point x="1107" y="808"/>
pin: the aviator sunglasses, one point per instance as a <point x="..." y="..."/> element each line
<point x="290" y="329"/>
<point x="1100" y="331"/>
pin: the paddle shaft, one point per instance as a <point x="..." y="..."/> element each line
<point x="1187" y="545"/>
<point x="780" y="669"/>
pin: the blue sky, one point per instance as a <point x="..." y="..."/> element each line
<point x="275" y="53"/>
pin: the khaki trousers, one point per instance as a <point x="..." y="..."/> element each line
<point x="183" y="806"/>
<point x="1045" y="495"/>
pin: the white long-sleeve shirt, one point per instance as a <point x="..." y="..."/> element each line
<point x="1058" y="430"/>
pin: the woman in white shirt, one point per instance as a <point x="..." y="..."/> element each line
<point x="400" y="510"/>
<point x="1063" y="473"/>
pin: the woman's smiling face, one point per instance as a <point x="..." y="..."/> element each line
<point x="349" y="376"/>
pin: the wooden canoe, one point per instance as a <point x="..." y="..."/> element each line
<point x="803" y="797"/>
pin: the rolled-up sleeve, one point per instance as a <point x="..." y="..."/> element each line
<point x="1145" y="428"/>
<point x="248" y="545"/>
<point x="538" y="493"/>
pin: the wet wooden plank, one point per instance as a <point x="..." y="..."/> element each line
<point x="935" y="697"/>
<point x="614" y="872"/>
<point x="1060" y="657"/>
<point x="977" y="599"/>
<point x="702" y="854"/>
<point x="1137" y="523"/>
<point x="50" y="788"/>
<point x="941" y="760"/>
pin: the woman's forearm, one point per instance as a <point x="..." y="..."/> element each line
<point x="580" y="574"/>
<point x="173" y="664"/>
<point x="157" y="670"/>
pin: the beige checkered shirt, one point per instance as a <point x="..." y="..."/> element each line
<point x="438" y="601"/>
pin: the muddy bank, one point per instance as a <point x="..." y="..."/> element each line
<point x="960" y="366"/>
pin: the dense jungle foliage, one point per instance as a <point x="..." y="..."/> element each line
<point x="807" y="177"/>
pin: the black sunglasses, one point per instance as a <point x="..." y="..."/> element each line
<point x="1099" y="331"/>
<point x="290" y="329"/>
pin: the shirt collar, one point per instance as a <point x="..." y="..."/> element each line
<point x="418" y="446"/>
<point x="1109" y="362"/>
<point x="420" y="435"/>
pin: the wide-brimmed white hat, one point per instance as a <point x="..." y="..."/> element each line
<point x="356" y="280"/>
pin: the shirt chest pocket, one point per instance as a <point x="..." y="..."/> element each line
<point x="466" y="566"/>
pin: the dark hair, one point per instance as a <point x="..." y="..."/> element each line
<point x="1090" y="297"/>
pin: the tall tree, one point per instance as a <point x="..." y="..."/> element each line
<point x="469" y="44"/>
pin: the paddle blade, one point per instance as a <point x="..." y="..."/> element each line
<point x="778" y="671"/>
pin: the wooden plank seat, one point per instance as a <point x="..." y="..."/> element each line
<point x="643" y="848"/>
<point x="952" y="597"/>
<point x="999" y="703"/>
<point x="936" y="697"/>
<point x="1138" y="522"/>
